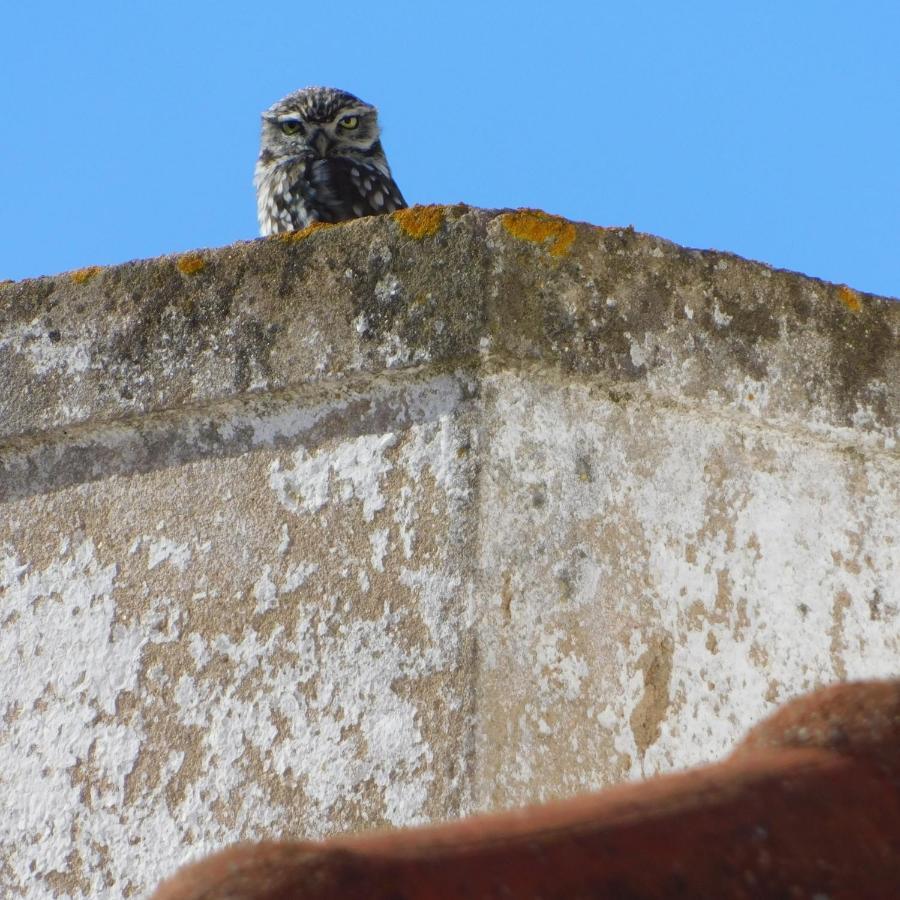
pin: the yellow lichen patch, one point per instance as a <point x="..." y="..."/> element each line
<point x="191" y="263"/>
<point x="419" y="221"/>
<point x="303" y="233"/>
<point x="849" y="298"/>
<point x="80" y="276"/>
<point x="535" y="225"/>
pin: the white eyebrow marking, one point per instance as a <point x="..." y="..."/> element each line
<point x="352" y="111"/>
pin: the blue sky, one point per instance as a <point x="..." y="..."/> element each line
<point x="769" y="129"/>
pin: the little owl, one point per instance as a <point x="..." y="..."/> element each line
<point x="321" y="160"/>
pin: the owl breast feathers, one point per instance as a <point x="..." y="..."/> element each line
<point x="321" y="160"/>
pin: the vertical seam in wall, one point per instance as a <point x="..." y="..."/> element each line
<point x="467" y="801"/>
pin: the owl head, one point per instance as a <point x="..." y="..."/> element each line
<point x="320" y="122"/>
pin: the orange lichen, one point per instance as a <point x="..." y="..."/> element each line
<point x="191" y="263"/>
<point x="849" y="298"/>
<point x="535" y="225"/>
<point x="419" y="221"/>
<point x="80" y="276"/>
<point x="303" y="233"/>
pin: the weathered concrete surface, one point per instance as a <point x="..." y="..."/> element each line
<point x="674" y="573"/>
<point x="418" y="516"/>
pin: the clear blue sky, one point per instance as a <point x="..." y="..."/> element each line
<point x="770" y="129"/>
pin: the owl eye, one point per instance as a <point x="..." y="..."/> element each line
<point x="349" y="122"/>
<point x="291" y="126"/>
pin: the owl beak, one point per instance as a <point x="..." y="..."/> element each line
<point x="320" y="142"/>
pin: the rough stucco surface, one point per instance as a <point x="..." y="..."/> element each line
<point x="417" y="516"/>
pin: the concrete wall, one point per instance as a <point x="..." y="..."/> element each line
<point x="417" y="516"/>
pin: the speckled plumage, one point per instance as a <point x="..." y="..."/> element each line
<point x="321" y="160"/>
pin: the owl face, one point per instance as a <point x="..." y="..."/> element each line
<point x="319" y="123"/>
<point x="321" y="160"/>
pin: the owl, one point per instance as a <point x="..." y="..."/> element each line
<point x="321" y="160"/>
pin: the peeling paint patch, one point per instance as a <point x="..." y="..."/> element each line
<point x="354" y="728"/>
<point x="63" y="667"/>
<point x="379" y="541"/>
<point x="356" y="467"/>
<point x="297" y="575"/>
<point x="162" y="550"/>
